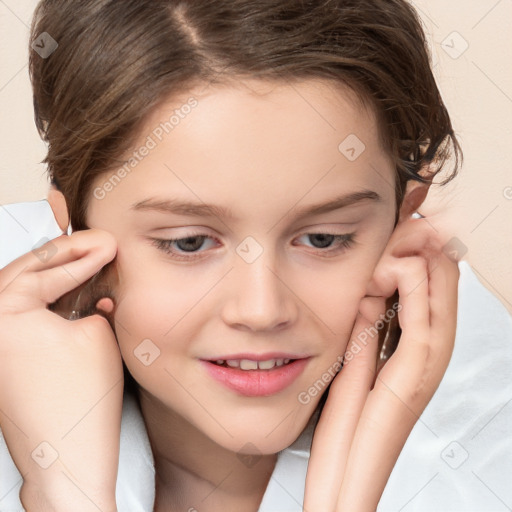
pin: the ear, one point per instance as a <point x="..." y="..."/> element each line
<point x="415" y="194"/>
<point x="60" y="210"/>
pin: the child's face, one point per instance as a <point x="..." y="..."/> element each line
<point x="257" y="286"/>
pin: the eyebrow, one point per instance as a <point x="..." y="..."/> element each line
<point x="193" y="209"/>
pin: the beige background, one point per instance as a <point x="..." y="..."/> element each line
<point x="471" y="41"/>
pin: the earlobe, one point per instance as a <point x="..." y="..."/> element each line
<point x="60" y="210"/>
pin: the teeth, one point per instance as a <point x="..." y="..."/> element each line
<point x="266" y="365"/>
<point x="248" y="364"/>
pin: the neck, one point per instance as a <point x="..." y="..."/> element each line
<point x="194" y="472"/>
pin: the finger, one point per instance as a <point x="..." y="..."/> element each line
<point x="338" y="420"/>
<point x="427" y="357"/>
<point x="410" y="277"/>
<point x="87" y="298"/>
<point x="410" y="378"/>
<point x="414" y="237"/>
<point x="443" y="290"/>
<point x="381" y="433"/>
<point x="81" y="255"/>
<point x="56" y="252"/>
<point x="387" y="417"/>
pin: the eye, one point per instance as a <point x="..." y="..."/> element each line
<point x="188" y="247"/>
<point x="330" y="242"/>
<point x="182" y="248"/>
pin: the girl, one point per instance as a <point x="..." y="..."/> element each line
<point x="240" y="179"/>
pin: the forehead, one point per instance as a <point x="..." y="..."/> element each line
<point x="262" y="141"/>
<point x="296" y="118"/>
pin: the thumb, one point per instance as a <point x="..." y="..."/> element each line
<point x="338" y="421"/>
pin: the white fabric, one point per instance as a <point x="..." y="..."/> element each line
<point x="458" y="457"/>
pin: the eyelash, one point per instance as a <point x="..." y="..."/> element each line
<point x="345" y="241"/>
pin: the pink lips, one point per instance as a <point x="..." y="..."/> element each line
<point x="257" y="382"/>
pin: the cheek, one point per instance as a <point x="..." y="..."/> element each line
<point x="337" y="288"/>
<point x="148" y="310"/>
<point x="160" y="311"/>
<point x="335" y="293"/>
<point x="152" y="294"/>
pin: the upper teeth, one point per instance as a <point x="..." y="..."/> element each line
<point x="248" y="364"/>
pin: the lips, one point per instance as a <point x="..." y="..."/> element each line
<point x="256" y="375"/>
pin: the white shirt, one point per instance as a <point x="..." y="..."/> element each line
<point x="458" y="457"/>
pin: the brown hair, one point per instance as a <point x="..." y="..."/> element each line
<point x="117" y="60"/>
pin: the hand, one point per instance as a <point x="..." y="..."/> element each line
<point x="61" y="381"/>
<point x="368" y="415"/>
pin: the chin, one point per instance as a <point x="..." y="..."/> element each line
<point x="252" y="436"/>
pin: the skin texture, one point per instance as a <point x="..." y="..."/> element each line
<point x="265" y="151"/>
<point x="63" y="385"/>
<point x="261" y="150"/>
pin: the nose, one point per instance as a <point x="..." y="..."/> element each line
<point x="258" y="296"/>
